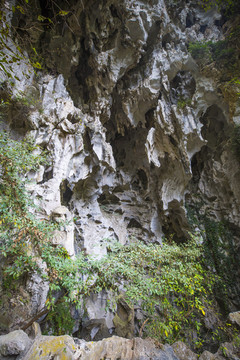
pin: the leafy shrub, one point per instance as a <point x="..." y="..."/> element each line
<point x="236" y="141"/>
<point x="218" y="51"/>
<point x="221" y="51"/>
<point x="229" y="7"/>
<point x="220" y="255"/>
<point x="60" y="320"/>
<point x="19" y="228"/>
<point x="169" y="282"/>
<point x="182" y="103"/>
<point x="200" y="50"/>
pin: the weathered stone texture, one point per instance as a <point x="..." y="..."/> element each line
<point x="132" y="126"/>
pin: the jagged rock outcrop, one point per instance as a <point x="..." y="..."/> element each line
<point x="15" y="343"/>
<point x="18" y="346"/>
<point x="126" y="156"/>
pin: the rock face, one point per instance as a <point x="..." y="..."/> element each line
<point x="183" y="351"/>
<point x="134" y="129"/>
<point x="13" y="344"/>
<point x="51" y="347"/>
<point x="119" y="348"/>
<point x="17" y="346"/>
<point x="65" y="348"/>
<point x="65" y="236"/>
<point x="235" y="318"/>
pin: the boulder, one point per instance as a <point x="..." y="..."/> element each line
<point x="234" y="318"/>
<point x="206" y="355"/>
<point x="117" y="348"/>
<point x="183" y="352"/>
<point x="52" y="347"/>
<point x="13" y="344"/>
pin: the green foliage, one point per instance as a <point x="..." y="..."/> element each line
<point x="20" y="231"/>
<point x="60" y="320"/>
<point x="200" y="51"/>
<point x="12" y="42"/>
<point x="9" y="55"/>
<point x="236" y="141"/>
<point x="221" y="52"/>
<point x="10" y="52"/>
<point x="220" y="255"/>
<point x="27" y="100"/>
<point x="224" y="54"/>
<point x="182" y="103"/>
<point x="226" y="6"/>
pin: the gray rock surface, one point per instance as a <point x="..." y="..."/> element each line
<point x="206" y="355"/>
<point x="65" y="235"/>
<point x="183" y="352"/>
<point x="124" y="349"/>
<point x="52" y="347"/>
<point x="18" y="346"/>
<point x="235" y="318"/>
<point x="13" y="344"/>
<point x="125" y="156"/>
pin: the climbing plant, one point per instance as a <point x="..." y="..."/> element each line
<point x="20" y="230"/>
<point x="220" y="253"/>
<point x="235" y="141"/>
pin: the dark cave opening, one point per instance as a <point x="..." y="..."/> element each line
<point x="149" y="118"/>
<point x="175" y="224"/>
<point x="143" y="178"/>
<point x="183" y="87"/>
<point x="197" y="164"/>
<point x="203" y="28"/>
<point x="83" y="71"/>
<point x="190" y="20"/>
<point x="48" y="174"/>
<point x="65" y="193"/>
<point x="166" y="40"/>
<point x="215" y="130"/>
<point x="107" y="199"/>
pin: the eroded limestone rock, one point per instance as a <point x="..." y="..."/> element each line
<point x="51" y="347"/>
<point x="13" y="344"/>
<point x="64" y="237"/>
<point x="235" y="318"/>
<point x="133" y="128"/>
<point x="183" y="352"/>
<point x="124" y="320"/>
<point x="119" y="348"/>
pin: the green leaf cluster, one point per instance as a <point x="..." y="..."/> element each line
<point x="220" y="254"/>
<point x="168" y="281"/>
<point x="235" y="140"/>
<point x="200" y="50"/>
<point x="221" y="52"/>
<point x="20" y="230"/>
<point x="12" y="42"/>
<point x="228" y="7"/>
<point x="182" y="103"/>
<point x="60" y="320"/>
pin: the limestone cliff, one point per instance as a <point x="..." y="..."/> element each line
<point x="138" y="132"/>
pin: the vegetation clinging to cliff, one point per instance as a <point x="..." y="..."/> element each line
<point x="169" y="281"/>
<point x="227" y="6"/>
